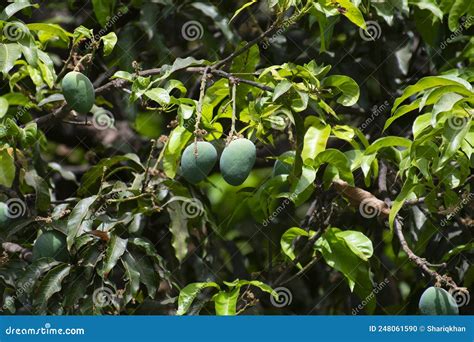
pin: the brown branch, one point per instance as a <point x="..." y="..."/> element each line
<point x="62" y="112"/>
<point x="13" y="248"/>
<point x="361" y="198"/>
<point x="422" y="263"/>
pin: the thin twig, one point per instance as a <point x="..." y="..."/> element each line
<point x="300" y="272"/>
<point x="234" y="109"/>
<point x="248" y="45"/>
<point x="202" y="91"/>
<point x="306" y="248"/>
<point x="422" y="263"/>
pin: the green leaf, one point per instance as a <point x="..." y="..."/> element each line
<point x="32" y="273"/>
<point x="7" y="168"/>
<point x="91" y="180"/>
<point x="344" y="87"/>
<point x="109" y="41"/>
<point x="179" y="64"/>
<point x="159" y="95"/>
<point x="46" y="66"/>
<point x="248" y="4"/>
<point x="444" y="104"/>
<point x="179" y="229"/>
<point x="458" y="9"/>
<point x="281" y="89"/>
<point x="429" y="83"/>
<point x="469" y="247"/>
<point x="300" y="102"/>
<point x="359" y="244"/>
<point x="287" y="239"/>
<point x="3" y="106"/>
<point x="103" y="10"/>
<point x="53" y="30"/>
<point x="189" y="293"/>
<point x="133" y="276"/>
<point x="387" y="142"/>
<point x="148" y="274"/>
<point x="315" y="138"/>
<point x="115" y="249"/>
<point x="178" y="139"/>
<point x="50" y="285"/>
<point x="11" y="9"/>
<point x="124" y="75"/>
<point x="262" y="286"/>
<point x="81" y="33"/>
<point x="226" y="302"/>
<point x="352" y="13"/>
<point x="340" y="256"/>
<point x="299" y="191"/>
<point x="430" y="6"/>
<point x="337" y="159"/>
<point x="407" y="189"/>
<point x="9" y="53"/>
<point x="78" y="214"/>
<point x="453" y="136"/>
<point x="43" y="198"/>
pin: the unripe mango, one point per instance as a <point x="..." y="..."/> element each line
<point x="195" y="168"/>
<point x="51" y="245"/>
<point x="237" y="161"/>
<point x="437" y="301"/>
<point x="78" y="92"/>
<point x="282" y="167"/>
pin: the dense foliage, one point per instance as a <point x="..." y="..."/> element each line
<point x="229" y="157"/>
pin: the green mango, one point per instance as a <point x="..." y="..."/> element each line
<point x="237" y="160"/>
<point x="51" y="245"/>
<point x="283" y="167"/>
<point x="78" y="92"/>
<point x="437" y="301"/>
<point x="195" y="168"/>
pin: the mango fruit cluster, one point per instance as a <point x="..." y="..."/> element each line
<point x="236" y="162"/>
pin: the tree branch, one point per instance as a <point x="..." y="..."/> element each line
<point x="422" y="263"/>
<point x="248" y="45"/>
<point x="63" y="111"/>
